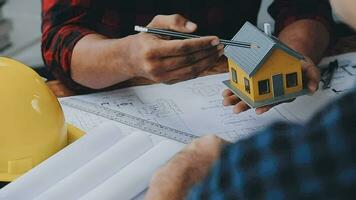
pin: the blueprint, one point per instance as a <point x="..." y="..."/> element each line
<point x="193" y="106"/>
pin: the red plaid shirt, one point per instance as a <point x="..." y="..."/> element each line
<point x="64" y="22"/>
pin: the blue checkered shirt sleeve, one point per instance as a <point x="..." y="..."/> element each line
<point x="313" y="161"/>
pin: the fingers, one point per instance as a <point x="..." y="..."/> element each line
<point x="262" y="110"/>
<point x="176" y="62"/>
<point x="160" y="59"/>
<point x="184" y="47"/>
<point x="231" y="100"/>
<point x="227" y="93"/>
<point x="191" y="71"/>
<point x="312" y="75"/>
<point x="209" y="140"/>
<point x="241" y="107"/>
<point x="174" y="22"/>
<point x="203" y="155"/>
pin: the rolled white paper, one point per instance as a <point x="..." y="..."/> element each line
<point x="134" y="178"/>
<point x="100" y="168"/>
<point x="63" y="163"/>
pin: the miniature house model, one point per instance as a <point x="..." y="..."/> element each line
<point x="266" y="75"/>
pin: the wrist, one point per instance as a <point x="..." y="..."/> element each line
<point x="183" y="169"/>
<point x="120" y="57"/>
<point x="99" y="62"/>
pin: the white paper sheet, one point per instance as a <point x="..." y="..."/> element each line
<point x="104" y="164"/>
<point x="99" y="169"/>
<point x="344" y="78"/>
<point x="56" y="168"/>
<point x="193" y="106"/>
<point x="303" y="108"/>
<point x="135" y="177"/>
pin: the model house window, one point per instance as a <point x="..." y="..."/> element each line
<point x="292" y="80"/>
<point x="247" y="85"/>
<point x="234" y="75"/>
<point x="263" y="87"/>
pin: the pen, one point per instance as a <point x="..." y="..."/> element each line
<point x="330" y="73"/>
<point x="189" y="36"/>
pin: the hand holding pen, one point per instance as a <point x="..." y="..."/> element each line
<point x="170" y="61"/>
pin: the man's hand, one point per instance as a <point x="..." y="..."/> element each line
<point x="187" y="168"/>
<point x="311" y="77"/>
<point x="310" y="38"/>
<point x="170" y="61"/>
<point x="99" y="62"/>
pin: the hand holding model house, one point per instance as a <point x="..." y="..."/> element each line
<point x="265" y="76"/>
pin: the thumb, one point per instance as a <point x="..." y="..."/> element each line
<point x="312" y="75"/>
<point x="174" y="22"/>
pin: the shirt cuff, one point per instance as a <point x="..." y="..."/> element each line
<point x="59" y="55"/>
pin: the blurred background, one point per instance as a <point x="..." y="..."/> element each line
<point x="21" y="20"/>
<point x="20" y="29"/>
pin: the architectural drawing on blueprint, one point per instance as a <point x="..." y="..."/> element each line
<point x="206" y="90"/>
<point x="161" y="108"/>
<point x="81" y="119"/>
<point x="87" y="122"/>
<point x="194" y="106"/>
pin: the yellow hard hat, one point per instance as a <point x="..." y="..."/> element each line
<point x="32" y="125"/>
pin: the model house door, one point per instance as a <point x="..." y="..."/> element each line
<point x="278" y="85"/>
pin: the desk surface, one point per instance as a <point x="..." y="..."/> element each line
<point x="343" y="45"/>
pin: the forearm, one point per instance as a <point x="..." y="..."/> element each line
<point x="98" y="62"/>
<point x="185" y="169"/>
<point x="175" y="179"/>
<point x="308" y="37"/>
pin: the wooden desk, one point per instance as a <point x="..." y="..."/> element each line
<point x="343" y="45"/>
